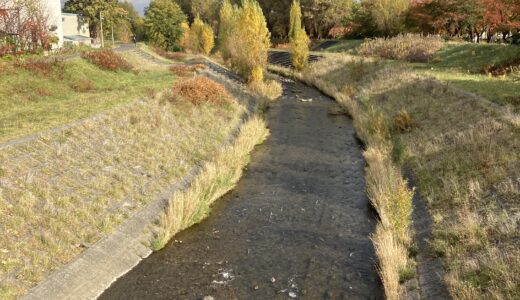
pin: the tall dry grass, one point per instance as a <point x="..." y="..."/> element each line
<point x="217" y="177"/>
<point x="409" y="47"/>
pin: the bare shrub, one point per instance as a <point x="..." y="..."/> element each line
<point x="107" y="60"/>
<point x="409" y="47"/>
<point x="201" y="90"/>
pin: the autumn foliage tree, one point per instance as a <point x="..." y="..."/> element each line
<point x="248" y="40"/>
<point x="226" y="22"/>
<point x="201" y="37"/>
<point x="298" y="38"/>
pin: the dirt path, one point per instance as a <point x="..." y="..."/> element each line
<point x="296" y="226"/>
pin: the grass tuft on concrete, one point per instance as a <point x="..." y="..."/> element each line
<point x="216" y="178"/>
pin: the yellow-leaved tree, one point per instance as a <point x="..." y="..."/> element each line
<point x="227" y="21"/>
<point x="248" y="40"/>
<point x="201" y="37"/>
<point x="298" y="38"/>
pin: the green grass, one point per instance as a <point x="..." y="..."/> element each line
<point x="501" y="90"/>
<point x="472" y="58"/>
<point x="461" y="64"/>
<point x="348" y="46"/>
<point x="33" y="102"/>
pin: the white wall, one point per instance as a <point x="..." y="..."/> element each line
<point x="53" y="8"/>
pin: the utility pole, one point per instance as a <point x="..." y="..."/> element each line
<point x="112" y="27"/>
<point x="102" y="38"/>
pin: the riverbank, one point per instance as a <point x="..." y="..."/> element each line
<point x="79" y="183"/>
<point x="462" y="150"/>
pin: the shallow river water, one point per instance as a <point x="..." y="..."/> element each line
<point x="296" y="226"/>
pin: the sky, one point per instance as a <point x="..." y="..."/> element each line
<point x="138" y="4"/>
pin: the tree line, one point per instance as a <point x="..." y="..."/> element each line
<point x="474" y="19"/>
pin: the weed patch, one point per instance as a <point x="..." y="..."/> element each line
<point x="42" y="66"/>
<point x="409" y="47"/>
<point x="107" y="60"/>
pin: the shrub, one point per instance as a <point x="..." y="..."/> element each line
<point x="107" y="60"/>
<point x="409" y="47"/>
<point x="201" y="90"/>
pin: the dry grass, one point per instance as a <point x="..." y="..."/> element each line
<point x="107" y="60"/>
<point x="217" y="177"/>
<point x="409" y="47"/>
<point x="200" y="90"/>
<point x="186" y="70"/>
<point x="63" y="191"/>
<point x="270" y="89"/>
<point x="465" y="155"/>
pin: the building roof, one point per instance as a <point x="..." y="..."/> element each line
<point x="76" y="38"/>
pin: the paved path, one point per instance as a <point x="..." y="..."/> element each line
<point x="296" y="226"/>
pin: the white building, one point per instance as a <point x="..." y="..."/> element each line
<point x="75" y="31"/>
<point x="53" y="10"/>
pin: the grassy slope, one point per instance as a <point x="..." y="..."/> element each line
<point x="33" y="102"/>
<point x="65" y="190"/>
<point x="461" y="64"/>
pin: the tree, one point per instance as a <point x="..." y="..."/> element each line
<point x="206" y="10"/>
<point x="320" y="16"/>
<point x="298" y="38"/>
<point x="226" y="17"/>
<point x="249" y="40"/>
<point x="388" y="15"/>
<point x="163" y="23"/>
<point x="201" y="37"/>
<point x="295" y="17"/>
<point x="135" y="20"/>
<point x="91" y="9"/>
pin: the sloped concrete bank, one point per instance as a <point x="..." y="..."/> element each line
<point x="101" y="264"/>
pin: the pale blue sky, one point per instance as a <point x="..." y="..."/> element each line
<point x="138" y="4"/>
